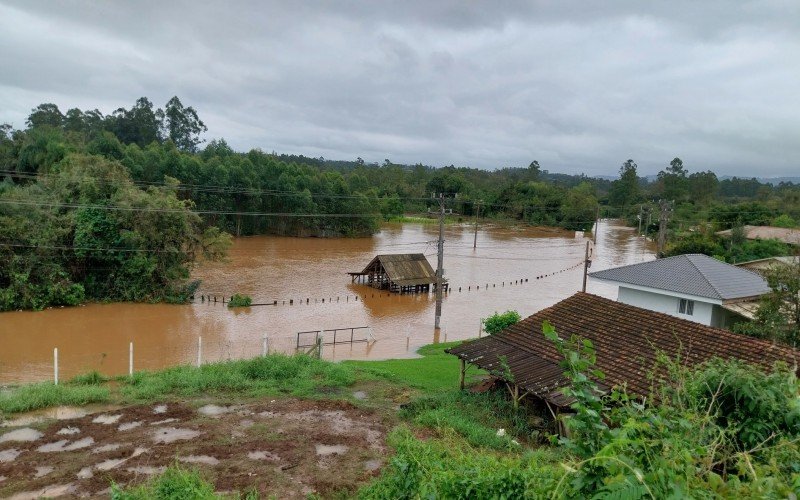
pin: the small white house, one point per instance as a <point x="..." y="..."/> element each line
<point x="694" y="287"/>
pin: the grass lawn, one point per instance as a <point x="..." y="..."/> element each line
<point x="435" y="371"/>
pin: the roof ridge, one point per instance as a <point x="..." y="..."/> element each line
<point x="708" y="280"/>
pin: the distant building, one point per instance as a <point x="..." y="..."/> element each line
<point x="786" y="235"/>
<point x="627" y="340"/>
<point x="762" y="265"/>
<point x="695" y="287"/>
<point x="403" y="273"/>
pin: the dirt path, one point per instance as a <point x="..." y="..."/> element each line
<point x="284" y="447"/>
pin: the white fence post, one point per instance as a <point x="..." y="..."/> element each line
<point x="264" y="346"/>
<point x="199" y="350"/>
<point x="480" y="328"/>
<point x="55" y="365"/>
<point x="130" y="359"/>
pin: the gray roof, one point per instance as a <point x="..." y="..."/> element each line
<point x="693" y="274"/>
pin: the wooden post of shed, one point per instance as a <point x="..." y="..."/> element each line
<point x="462" y="373"/>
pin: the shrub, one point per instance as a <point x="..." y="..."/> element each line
<point x="175" y="483"/>
<point x="240" y="301"/>
<point x="498" y="322"/>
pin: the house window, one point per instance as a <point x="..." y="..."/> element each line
<point x="686" y="307"/>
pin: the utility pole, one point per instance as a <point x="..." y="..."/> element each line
<point x="663" y="218"/>
<point x="587" y="263"/>
<point x="440" y="263"/>
<point x="641" y="213"/>
<point x="475" y="237"/>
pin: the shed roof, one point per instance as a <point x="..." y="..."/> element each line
<point x="405" y="269"/>
<point x="627" y="342"/>
<point x="786" y="235"/>
<point x="692" y="274"/>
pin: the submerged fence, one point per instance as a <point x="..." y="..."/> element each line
<point x="205" y="352"/>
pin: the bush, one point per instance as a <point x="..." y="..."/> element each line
<point x="496" y="323"/>
<point x="175" y="483"/>
<point x="240" y="301"/>
<point x="44" y="395"/>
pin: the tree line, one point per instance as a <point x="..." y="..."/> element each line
<point x="145" y="167"/>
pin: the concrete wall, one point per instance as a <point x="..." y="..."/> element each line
<point x="703" y="311"/>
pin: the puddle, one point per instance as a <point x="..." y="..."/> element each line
<point x="139" y="451"/>
<point x="129" y="425"/>
<point x="213" y="410"/>
<point x="361" y="395"/>
<point x="333" y="449"/>
<point x="107" y="447"/>
<point x="38" y="416"/>
<point x="9" y="455"/>
<point x="171" y="434"/>
<point x="199" y="459"/>
<point x="43" y="471"/>
<point x="160" y="409"/>
<point x="68" y="431"/>
<point x="55" y="490"/>
<point x="110" y="464"/>
<point x="24" y="434"/>
<point x="146" y="469"/>
<point x="107" y="419"/>
<point x="263" y="455"/>
<point x="372" y="465"/>
<point x="62" y="445"/>
<point x="165" y="421"/>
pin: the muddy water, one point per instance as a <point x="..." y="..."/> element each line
<point x="97" y="336"/>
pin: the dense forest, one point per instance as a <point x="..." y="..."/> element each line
<point x="118" y="206"/>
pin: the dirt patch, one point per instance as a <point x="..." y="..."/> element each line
<point x="285" y="448"/>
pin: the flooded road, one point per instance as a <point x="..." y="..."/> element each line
<point x="307" y="271"/>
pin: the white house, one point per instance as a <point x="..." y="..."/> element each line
<point x="694" y="287"/>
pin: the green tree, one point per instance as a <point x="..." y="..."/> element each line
<point x="46" y="114"/>
<point x="703" y="186"/>
<point x="778" y="314"/>
<point x="140" y="125"/>
<point x="182" y="125"/>
<point x="673" y="181"/>
<point x="625" y="190"/>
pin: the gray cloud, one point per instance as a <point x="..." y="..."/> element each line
<point x="579" y="86"/>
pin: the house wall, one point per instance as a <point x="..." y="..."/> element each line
<point x="721" y="318"/>
<point x="668" y="304"/>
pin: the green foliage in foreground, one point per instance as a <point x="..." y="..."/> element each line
<point x="720" y="430"/>
<point x="475" y="417"/>
<point x="497" y="322"/>
<point x="175" y="483"/>
<point x="240" y="301"/>
<point x="45" y="395"/>
<point x="301" y="376"/>
<point x="449" y="468"/>
<point x="435" y="371"/>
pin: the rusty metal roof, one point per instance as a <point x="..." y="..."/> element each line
<point x="627" y="342"/>
<point x="405" y="269"/>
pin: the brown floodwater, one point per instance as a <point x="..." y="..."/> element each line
<point x="268" y="268"/>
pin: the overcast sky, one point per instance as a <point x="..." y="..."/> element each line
<point x="574" y="85"/>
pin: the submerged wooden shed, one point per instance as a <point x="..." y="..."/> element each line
<point x="402" y="272"/>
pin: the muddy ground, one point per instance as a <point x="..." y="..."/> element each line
<point x="283" y="447"/>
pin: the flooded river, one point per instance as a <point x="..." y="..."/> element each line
<point x="301" y="270"/>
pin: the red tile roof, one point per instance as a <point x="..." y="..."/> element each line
<point x="627" y="341"/>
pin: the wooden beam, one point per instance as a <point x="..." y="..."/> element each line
<point x="461" y="375"/>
